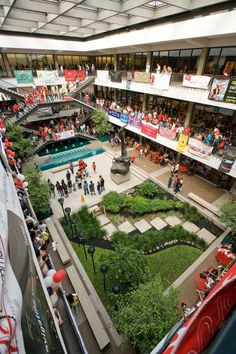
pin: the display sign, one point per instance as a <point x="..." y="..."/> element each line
<point x="197" y="147"/>
<point x="142" y="77"/>
<point x="103" y="75"/>
<point x="218" y="89"/>
<point x="72" y="75"/>
<point x="135" y="121"/>
<point x="116" y="76"/>
<point x="64" y="135"/>
<point x="47" y="77"/>
<point x="24" y="76"/>
<point x="113" y="113"/>
<point x="228" y="159"/>
<point x="182" y="143"/>
<point x="160" y="81"/>
<point x="230" y="95"/>
<point x="167" y="133"/>
<point x="124" y="118"/>
<point x="196" y="81"/>
<point x="149" y="130"/>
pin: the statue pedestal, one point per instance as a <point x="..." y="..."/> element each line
<point x="118" y="178"/>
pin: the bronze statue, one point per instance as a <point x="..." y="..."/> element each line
<point x="121" y="163"/>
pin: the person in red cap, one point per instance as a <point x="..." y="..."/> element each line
<point x="94" y="167"/>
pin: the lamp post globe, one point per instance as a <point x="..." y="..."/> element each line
<point x="116" y="289"/>
<point x="91" y="251"/>
<point x="103" y="270"/>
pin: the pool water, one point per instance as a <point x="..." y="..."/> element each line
<point x="61" y="146"/>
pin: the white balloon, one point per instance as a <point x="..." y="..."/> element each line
<point x="20" y="177"/>
<point x="48" y="282"/>
<point x="25" y="184"/>
<point x="51" y="272"/>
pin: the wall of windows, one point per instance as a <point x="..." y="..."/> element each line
<point x="30" y="61"/>
<point x="221" y="61"/>
<point x="132" y="61"/>
<point x="72" y="61"/>
<point x="104" y="62"/>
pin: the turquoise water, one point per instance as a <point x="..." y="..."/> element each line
<point x="66" y="157"/>
<point x="60" y="146"/>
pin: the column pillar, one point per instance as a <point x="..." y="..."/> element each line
<point x="55" y="61"/>
<point x="7" y="65"/>
<point x="145" y="102"/>
<point x="149" y="62"/>
<point x="115" y="62"/>
<point x="202" y="61"/>
<point x="189" y="113"/>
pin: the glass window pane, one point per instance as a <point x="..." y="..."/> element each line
<point x="185" y="52"/>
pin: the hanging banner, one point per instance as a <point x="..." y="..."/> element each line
<point x="149" y="130"/>
<point x="230" y="95"/>
<point x="160" y="81"/>
<point x="167" y="133"/>
<point x="196" y="81"/>
<point x="24" y="76"/>
<point x="72" y="75"/>
<point x="47" y="77"/>
<point x="124" y="118"/>
<point x="64" y="135"/>
<point x="135" y="121"/>
<point x="116" y="76"/>
<point x="103" y="76"/>
<point x="218" y="89"/>
<point x="228" y="159"/>
<point x="197" y="147"/>
<point x="182" y="143"/>
<point x="141" y="77"/>
<point x="114" y="114"/>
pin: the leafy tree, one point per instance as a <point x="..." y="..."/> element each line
<point x="21" y="145"/>
<point x="127" y="266"/>
<point x="39" y="190"/>
<point x="228" y="215"/>
<point x="146" y="314"/>
<point x="102" y="124"/>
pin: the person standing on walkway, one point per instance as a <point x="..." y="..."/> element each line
<point x="72" y="167"/>
<point x="85" y="187"/>
<point x="181" y="182"/>
<point x="52" y="189"/>
<point x="92" y="188"/>
<point x="102" y="183"/>
<point x="132" y="159"/>
<point x="170" y="180"/>
<point x="140" y="156"/>
<point x="69" y="186"/>
<point x="94" y="167"/>
<point x="59" y="189"/>
<point x="68" y="175"/>
<point x="64" y="187"/>
<point x="99" y="187"/>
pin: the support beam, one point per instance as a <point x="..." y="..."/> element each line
<point x="189" y="114"/>
<point x="202" y="61"/>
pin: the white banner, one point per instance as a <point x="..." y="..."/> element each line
<point x="64" y="135"/>
<point x="103" y="75"/>
<point x="196" y="81"/>
<point x="197" y="147"/>
<point x="160" y="81"/>
<point x="47" y="77"/>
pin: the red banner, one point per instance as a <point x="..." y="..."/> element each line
<point x="168" y="133"/>
<point x="149" y="130"/>
<point x="71" y="75"/>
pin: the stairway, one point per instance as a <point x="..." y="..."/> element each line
<point x="75" y="92"/>
<point x="11" y="93"/>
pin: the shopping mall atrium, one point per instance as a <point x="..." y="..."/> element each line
<point x="118" y="176"/>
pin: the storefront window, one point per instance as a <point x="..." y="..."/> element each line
<point x="212" y="66"/>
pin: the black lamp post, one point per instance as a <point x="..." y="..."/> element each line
<point x="68" y="211"/>
<point x="73" y="222"/>
<point x="116" y="289"/>
<point x="61" y="201"/>
<point x="103" y="270"/>
<point x="82" y="240"/>
<point x="91" y="251"/>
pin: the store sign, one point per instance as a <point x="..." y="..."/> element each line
<point x="113" y="113"/>
<point x="141" y="77"/>
<point x="197" y="147"/>
<point x="124" y="118"/>
<point x="196" y="81"/>
<point x="103" y="76"/>
<point x="149" y="130"/>
<point x="228" y="159"/>
<point x="230" y="95"/>
<point x="47" y="77"/>
<point x="24" y="76"/>
<point x="167" y="133"/>
<point x="182" y="143"/>
<point x="116" y="76"/>
<point x="72" y="75"/>
<point x="64" y="135"/>
<point x="160" y="81"/>
<point x="135" y="121"/>
<point x="218" y="89"/>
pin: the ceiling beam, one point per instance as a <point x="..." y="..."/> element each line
<point x="183" y="4"/>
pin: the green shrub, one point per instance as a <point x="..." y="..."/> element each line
<point x="141" y="205"/>
<point x="190" y="213"/>
<point x="147" y="189"/>
<point x="113" y="202"/>
<point x="119" y="237"/>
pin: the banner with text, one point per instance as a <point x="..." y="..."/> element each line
<point x="182" y="143"/>
<point x="116" y="76"/>
<point x="64" y="135"/>
<point x="149" y="130"/>
<point x="24" y="76"/>
<point x="72" y="75"/>
<point x="160" y="81"/>
<point x="197" y="147"/>
<point x="135" y="121"/>
<point x="141" y="77"/>
<point x="47" y="77"/>
<point x="218" y="89"/>
<point x="196" y="81"/>
<point x="230" y="95"/>
<point x="102" y="75"/>
<point x="228" y="159"/>
<point x="167" y="133"/>
<point x="114" y="114"/>
<point x="124" y="118"/>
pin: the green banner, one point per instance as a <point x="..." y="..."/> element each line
<point x="24" y="76"/>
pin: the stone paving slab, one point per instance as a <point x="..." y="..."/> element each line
<point x="173" y="220"/>
<point x="158" y="223"/>
<point x="142" y="225"/>
<point x="103" y="219"/>
<point x="126" y="227"/>
<point x="206" y="236"/>
<point x="190" y="227"/>
<point x="110" y="229"/>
